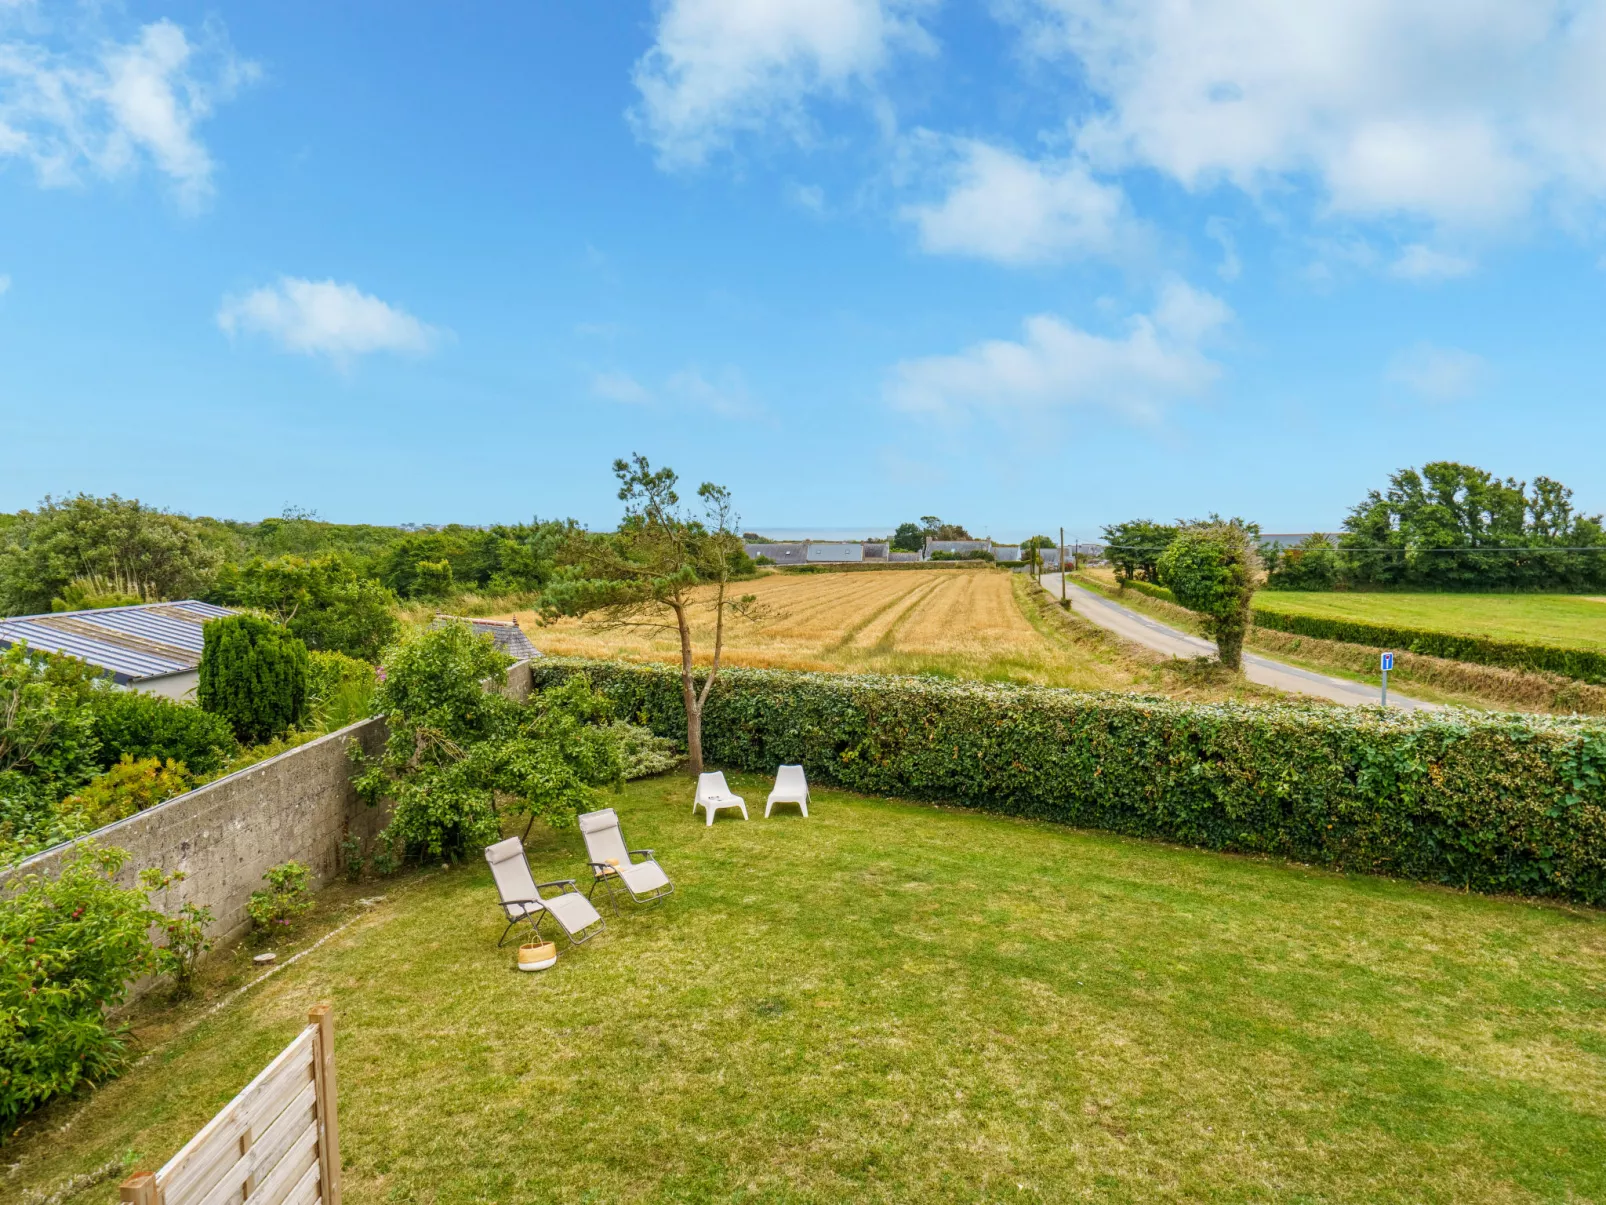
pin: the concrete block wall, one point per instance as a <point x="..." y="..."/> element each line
<point x="226" y="835"/>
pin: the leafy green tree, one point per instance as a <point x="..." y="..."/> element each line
<point x="146" y="552"/>
<point x="1452" y="526"/>
<point x="432" y="579"/>
<point x="909" y="537"/>
<point x="1213" y="568"/>
<point x="323" y="601"/>
<point x="69" y="948"/>
<point x="1312" y="564"/>
<point x="933" y="528"/>
<point x="254" y="674"/>
<point x="455" y="747"/>
<point x="47" y="746"/>
<point x="1135" y="547"/>
<point x="660" y="567"/>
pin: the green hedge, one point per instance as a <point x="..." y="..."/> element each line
<point x="1507" y="654"/>
<point x="1152" y="590"/>
<point x="1492" y="802"/>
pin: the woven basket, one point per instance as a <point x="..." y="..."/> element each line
<point x="537" y="957"/>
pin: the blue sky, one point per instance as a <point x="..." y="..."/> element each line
<point x="1015" y="263"/>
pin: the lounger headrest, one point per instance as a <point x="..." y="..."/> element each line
<point x="503" y="850"/>
<point x="595" y="822"/>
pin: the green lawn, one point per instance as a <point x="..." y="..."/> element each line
<point x="894" y="1002"/>
<point x="1569" y="620"/>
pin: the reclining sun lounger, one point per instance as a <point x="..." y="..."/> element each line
<point x="522" y="900"/>
<point x="611" y="862"/>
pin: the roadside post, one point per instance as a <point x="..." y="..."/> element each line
<point x="1062" y="566"/>
<point x="1388" y="664"/>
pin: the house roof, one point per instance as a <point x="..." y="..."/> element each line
<point x="506" y="633"/>
<point x="130" y="643"/>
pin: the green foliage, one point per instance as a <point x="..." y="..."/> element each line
<point x="1212" y="568"/>
<point x="933" y="528"/>
<point x="47" y="746"/>
<point x="323" y="601"/>
<point x="456" y="747"/>
<point x="1149" y="588"/>
<point x="504" y="559"/>
<point x="93" y="593"/>
<point x="908" y="538"/>
<point x="286" y="897"/>
<point x="340" y="689"/>
<point x="1134" y="547"/>
<point x="69" y="947"/>
<point x="129" y="786"/>
<point x="1490" y="802"/>
<point x="432" y="579"/>
<point x="351" y="857"/>
<point x="1456" y="527"/>
<point x="254" y="674"/>
<point x="185" y="929"/>
<point x="155" y="554"/>
<point x="641" y="753"/>
<point x="1311" y="565"/>
<point x="132" y="724"/>
<point x="1584" y="664"/>
<point x="974" y="554"/>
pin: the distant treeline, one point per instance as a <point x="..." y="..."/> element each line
<point x="1447" y="526"/>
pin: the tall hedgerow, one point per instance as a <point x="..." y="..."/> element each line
<point x="1491" y="802"/>
<point x="254" y="674"/>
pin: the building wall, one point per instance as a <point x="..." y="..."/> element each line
<point x="180" y="686"/>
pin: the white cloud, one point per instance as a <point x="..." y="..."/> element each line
<point x="1422" y="263"/>
<point x="1460" y="112"/>
<point x="619" y="387"/>
<point x="316" y="317"/>
<point x="1158" y="360"/>
<point x="719" y="68"/>
<point x="1437" y="374"/>
<point x="727" y="396"/>
<point x="1230" y="266"/>
<point x="1003" y="207"/>
<point x="107" y="110"/>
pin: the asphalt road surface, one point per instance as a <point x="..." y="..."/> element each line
<point x="1137" y="627"/>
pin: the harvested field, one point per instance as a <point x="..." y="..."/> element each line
<point x="978" y="624"/>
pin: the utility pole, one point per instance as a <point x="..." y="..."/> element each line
<point x="1062" y="566"/>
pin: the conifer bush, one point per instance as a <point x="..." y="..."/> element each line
<point x="254" y="674"/>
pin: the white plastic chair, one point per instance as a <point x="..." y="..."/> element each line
<point x="611" y="861"/>
<point x="790" y="787"/>
<point x="521" y="896"/>
<point x="713" y="793"/>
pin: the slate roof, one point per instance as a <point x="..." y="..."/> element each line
<point x="509" y="637"/>
<point x="130" y="643"/>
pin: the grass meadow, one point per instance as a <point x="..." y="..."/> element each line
<point x="893" y="1002"/>
<point x="1566" y="620"/>
<point x="980" y="624"/>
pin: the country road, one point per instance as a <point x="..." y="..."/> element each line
<point x="1137" y="627"/>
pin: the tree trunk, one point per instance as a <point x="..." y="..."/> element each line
<point x="688" y="693"/>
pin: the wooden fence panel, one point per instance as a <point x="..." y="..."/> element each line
<point x="276" y="1143"/>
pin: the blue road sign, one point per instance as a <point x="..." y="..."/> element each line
<point x="1388" y="661"/>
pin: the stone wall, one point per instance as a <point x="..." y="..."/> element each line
<point x="224" y="836"/>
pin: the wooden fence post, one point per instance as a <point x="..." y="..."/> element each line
<point x="138" y="1189"/>
<point x="322" y="1016"/>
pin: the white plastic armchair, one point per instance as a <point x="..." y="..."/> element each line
<point x="790" y="787"/>
<point x="611" y="862"/>
<point x="713" y="793"/>
<point x="522" y="900"/>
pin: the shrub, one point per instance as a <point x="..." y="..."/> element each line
<point x="185" y="930"/>
<point x="1490" y="802"/>
<point x="47" y="746"/>
<point x="1211" y="568"/>
<point x="128" y="787"/>
<point x="432" y="579"/>
<point x="254" y="674"/>
<point x="132" y="724"/>
<point x="1583" y="664"/>
<point x="641" y="753"/>
<point x="1153" y="591"/>
<point x="340" y="689"/>
<point x="287" y="896"/>
<point x="69" y="947"/>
